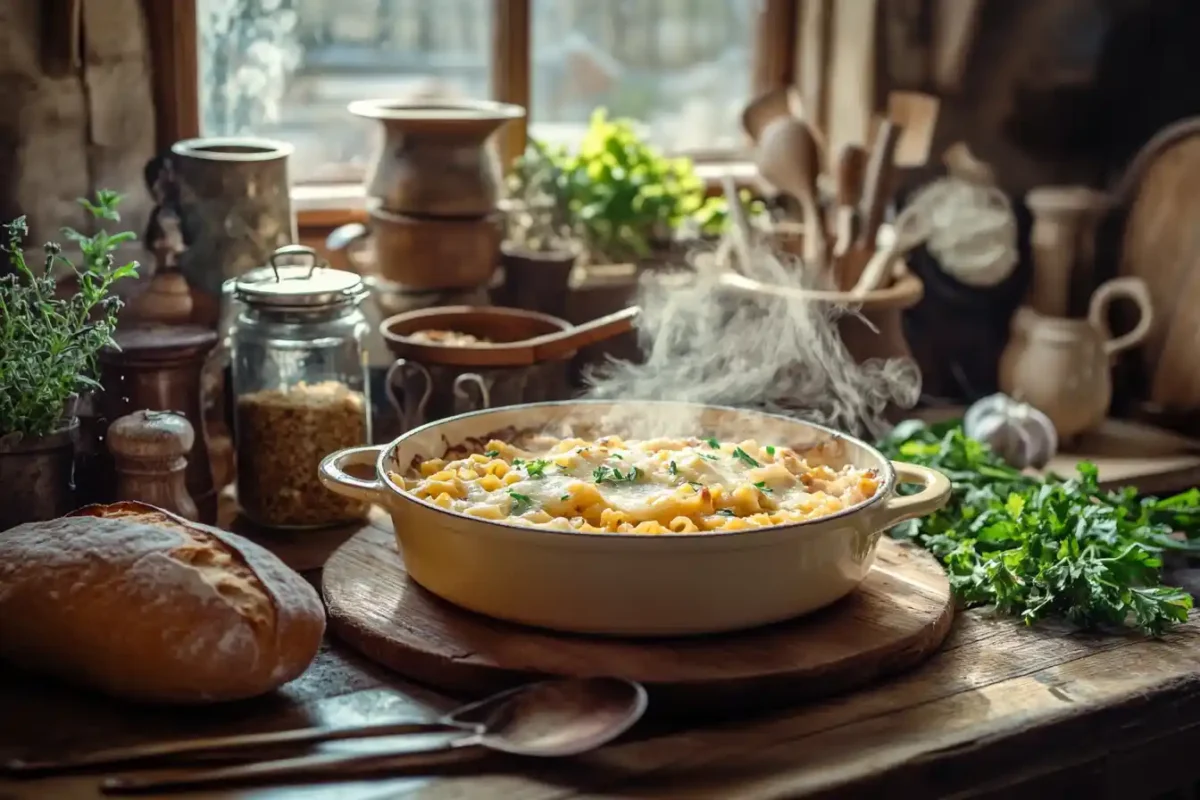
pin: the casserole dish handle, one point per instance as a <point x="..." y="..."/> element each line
<point x="934" y="495"/>
<point x="333" y="475"/>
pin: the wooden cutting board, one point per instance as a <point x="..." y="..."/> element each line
<point x="896" y="619"/>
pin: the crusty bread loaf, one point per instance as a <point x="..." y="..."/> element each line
<point x="142" y="604"/>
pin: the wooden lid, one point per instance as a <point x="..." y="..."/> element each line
<point x="159" y="344"/>
<point x="166" y="301"/>
<point x="474" y="118"/>
<point x="151" y="435"/>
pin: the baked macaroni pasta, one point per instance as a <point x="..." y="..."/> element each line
<point x="657" y="486"/>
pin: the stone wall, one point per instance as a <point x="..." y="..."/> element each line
<point x="63" y="137"/>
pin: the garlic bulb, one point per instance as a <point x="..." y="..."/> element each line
<point x="1017" y="432"/>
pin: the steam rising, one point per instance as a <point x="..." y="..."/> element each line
<point x="705" y="342"/>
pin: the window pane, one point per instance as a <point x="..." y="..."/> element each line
<point x="287" y="69"/>
<point x="681" y="68"/>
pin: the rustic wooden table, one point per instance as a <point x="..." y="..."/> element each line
<point x="1002" y="709"/>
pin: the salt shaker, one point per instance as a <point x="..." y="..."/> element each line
<point x="150" y="450"/>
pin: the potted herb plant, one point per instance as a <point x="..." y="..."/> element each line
<point x="629" y="201"/>
<point x="540" y="248"/>
<point x="48" y="348"/>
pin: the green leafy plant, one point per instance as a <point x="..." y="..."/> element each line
<point x="621" y="197"/>
<point x="1043" y="547"/>
<point x="540" y="219"/>
<point x="49" y="344"/>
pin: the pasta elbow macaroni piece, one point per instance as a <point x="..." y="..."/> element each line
<point x="658" y="486"/>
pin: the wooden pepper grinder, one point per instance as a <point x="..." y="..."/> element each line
<point x="150" y="450"/>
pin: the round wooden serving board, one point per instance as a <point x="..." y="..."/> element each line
<point x="895" y="620"/>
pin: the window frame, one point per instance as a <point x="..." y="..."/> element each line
<point x="174" y="50"/>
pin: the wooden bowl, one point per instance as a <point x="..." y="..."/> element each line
<point x="498" y="325"/>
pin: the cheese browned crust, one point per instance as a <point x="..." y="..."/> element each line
<point x="139" y="603"/>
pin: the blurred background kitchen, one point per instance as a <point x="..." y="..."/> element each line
<point x="1044" y="148"/>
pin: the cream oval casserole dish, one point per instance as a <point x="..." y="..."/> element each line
<point x="635" y="519"/>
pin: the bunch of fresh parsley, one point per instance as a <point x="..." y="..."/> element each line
<point x="1047" y="547"/>
<point x="49" y="344"/>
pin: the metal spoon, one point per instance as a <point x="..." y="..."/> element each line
<point x="553" y="719"/>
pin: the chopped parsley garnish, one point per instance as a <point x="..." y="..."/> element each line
<point x="618" y="456"/>
<point x="492" y="453"/>
<point x="521" y="502"/>
<point x="516" y="462"/>
<point x="770" y="449"/>
<point x="565" y="497"/>
<point x="762" y="485"/>
<point x="714" y="444"/>
<point x="674" y="470"/>
<point x="536" y="468"/>
<point x="612" y="475"/>
<point x="604" y="474"/>
<point x="745" y="458"/>
<point x="726" y="512"/>
<point x="706" y="455"/>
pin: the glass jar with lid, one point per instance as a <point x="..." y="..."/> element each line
<point x="299" y="369"/>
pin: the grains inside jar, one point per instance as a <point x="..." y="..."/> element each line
<point x="282" y="436"/>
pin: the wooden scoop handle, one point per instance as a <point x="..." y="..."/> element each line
<point x="316" y="766"/>
<point x="226" y="744"/>
<point x="557" y="345"/>
<point x="877" y="185"/>
<point x="851" y="167"/>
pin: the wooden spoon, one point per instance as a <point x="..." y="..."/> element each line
<point x="789" y="156"/>
<point x="851" y="168"/>
<point x="916" y="114"/>
<point x="740" y="232"/>
<point x="552" y="719"/>
<point x="769" y="106"/>
<point x="877" y="191"/>
<point x="909" y="231"/>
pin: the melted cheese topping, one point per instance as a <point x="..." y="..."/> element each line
<point x="654" y="486"/>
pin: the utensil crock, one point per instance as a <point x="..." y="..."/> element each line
<point x="635" y="584"/>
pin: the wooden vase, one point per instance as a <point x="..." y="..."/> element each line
<point x="423" y="253"/>
<point x="1062" y="241"/>
<point x="437" y="159"/>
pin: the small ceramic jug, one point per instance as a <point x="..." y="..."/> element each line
<point x="1062" y="366"/>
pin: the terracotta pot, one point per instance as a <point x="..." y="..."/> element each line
<point x="232" y="196"/>
<point x="37" y="474"/>
<point x="1062" y="366"/>
<point x="437" y="158"/>
<point x="536" y="280"/>
<point x="423" y="254"/>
